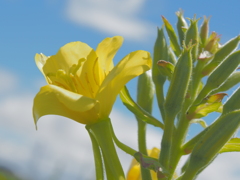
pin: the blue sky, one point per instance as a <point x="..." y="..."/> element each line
<point x="29" y="27"/>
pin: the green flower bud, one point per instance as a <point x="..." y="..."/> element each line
<point x="219" y="75"/>
<point x="192" y="37"/>
<point x="204" y="31"/>
<point x="182" y="26"/>
<point x="145" y="91"/>
<point x="160" y="52"/>
<point x="220" y="55"/>
<point x="179" y="83"/>
<point x="212" y="44"/>
<point x="172" y="37"/>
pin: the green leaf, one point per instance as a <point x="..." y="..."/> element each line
<point x="231" y="146"/>
<point x="209" y="104"/>
<point x="208" y="147"/>
<point x="137" y="110"/>
<point x="233" y="80"/>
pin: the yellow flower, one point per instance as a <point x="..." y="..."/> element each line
<point x="134" y="172"/>
<point x="83" y="83"/>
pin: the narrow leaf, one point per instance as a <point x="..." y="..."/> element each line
<point x="137" y="110"/>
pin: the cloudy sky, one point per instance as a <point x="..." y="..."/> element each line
<point x="61" y="148"/>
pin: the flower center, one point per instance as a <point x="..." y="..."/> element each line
<point x="78" y="79"/>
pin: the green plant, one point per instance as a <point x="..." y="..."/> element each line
<point x="192" y="55"/>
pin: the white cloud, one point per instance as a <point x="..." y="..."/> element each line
<point x="225" y="166"/>
<point x="8" y="81"/>
<point x="114" y="17"/>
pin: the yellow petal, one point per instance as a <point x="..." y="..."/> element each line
<point x="67" y="55"/>
<point x="134" y="173"/>
<point x="54" y="100"/>
<point x="40" y="60"/>
<point x="91" y="75"/>
<point x="106" y="51"/>
<point x="129" y="67"/>
<point x="154" y="152"/>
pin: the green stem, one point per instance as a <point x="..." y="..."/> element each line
<point x="189" y="175"/>
<point x="145" y="173"/>
<point x="188" y="146"/>
<point x="160" y="99"/>
<point x="103" y="134"/>
<point x="183" y="123"/>
<point x="97" y="157"/>
<point x="166" y="143"/>
<point x="178" y="140"/>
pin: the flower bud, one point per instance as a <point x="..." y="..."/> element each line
<point x="220" y="55"/>
<point x="172" y="37"/>
<point x="192" y="37"/>
<point x="145" y="91"/>
<point x="204" y="30"/>
<point x="179" y="83"/>
<point x="212" y="44"/>
<point x="220" y="75"/>
<point x="160" y="52"/>
<point x="181" y="26"/>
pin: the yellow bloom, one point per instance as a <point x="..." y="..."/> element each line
<point x="134" y="172"/>
<point x="82" y="83"/>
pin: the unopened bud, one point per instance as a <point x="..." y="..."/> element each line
<point x="204" y="30"/>
<point x="172" y="37"/>
<point x="182" y="26"/>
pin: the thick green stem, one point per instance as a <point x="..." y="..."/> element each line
<point x="166" y="143"/>
<point x="190" y="175"/>
<point x="178" y="140"/>
<point x="97" y="158"/>
<point x="103" y="134"/>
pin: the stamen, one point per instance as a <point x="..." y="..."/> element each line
<point x="76" y="67"/>
<point x="72" y="84"/>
